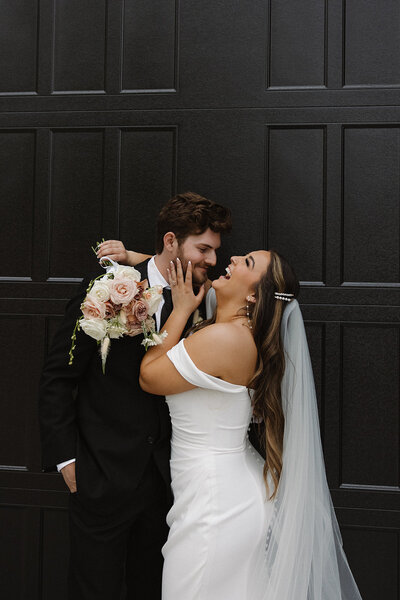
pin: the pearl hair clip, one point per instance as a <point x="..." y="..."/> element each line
<point x="283" y="296"/>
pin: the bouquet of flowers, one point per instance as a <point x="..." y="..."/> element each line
<point x="118" y="304"/>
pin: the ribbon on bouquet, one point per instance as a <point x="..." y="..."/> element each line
<point x="109" y="268"/>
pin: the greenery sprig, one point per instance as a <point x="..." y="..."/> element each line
<point x="95" y="249"/>
<point x="73" y="338"/>
<point x="77" y="324"/>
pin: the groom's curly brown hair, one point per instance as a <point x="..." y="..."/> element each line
<point x="190" y="214"/>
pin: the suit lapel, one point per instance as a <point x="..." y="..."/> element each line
<point x="142" y="268"/>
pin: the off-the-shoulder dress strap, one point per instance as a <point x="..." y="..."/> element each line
<point x="185" y="366"/>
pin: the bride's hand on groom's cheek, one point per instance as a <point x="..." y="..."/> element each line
<point x="68" y="473"/>
<point x="183" y="297"/>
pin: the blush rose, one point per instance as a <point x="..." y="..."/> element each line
<point x="92" y="308"/>
<point x="122" y="291"/>
<point x="140" y="310"/>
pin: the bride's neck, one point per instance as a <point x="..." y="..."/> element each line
<point x="227" y="311"/>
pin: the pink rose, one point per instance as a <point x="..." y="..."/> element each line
<point x="92" y="308"/>
<point x="132" y="325"/>
<point x="127" y="308"/>
<point x="122" y="290"/>
<point x="131" y="320"/>
<point x="109" y="310"/>
<point x="134" y="330"/>
<point x="149" y="323"/>
<point x="140" y="310"/>
<point x="139" y="293"/>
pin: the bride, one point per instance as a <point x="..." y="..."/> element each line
<point x="242" y="528"/>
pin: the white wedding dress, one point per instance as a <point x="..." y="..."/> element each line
<point x="227" y="541"/>
<point x="219" y="520"/>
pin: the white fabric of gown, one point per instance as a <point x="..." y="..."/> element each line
<point x="220" y="516"/>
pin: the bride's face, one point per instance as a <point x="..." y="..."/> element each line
<point x="243" y="273"/>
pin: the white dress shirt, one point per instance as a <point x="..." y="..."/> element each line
<point x="154" y="277"/>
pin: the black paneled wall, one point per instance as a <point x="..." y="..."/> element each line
<point x="288" y="112"/>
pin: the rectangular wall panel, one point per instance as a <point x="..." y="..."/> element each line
<point x="145" y="152"/>
<point x="18" y="46"/>
<point x="297" y="44"/>
<point x="79" y="45"/>
<point x="17" y="179"/>
<point x="296" y="198"/>
<point x="76" y="203"/>
<point x="370" y="405"/>
<point x="18" y="387"/>
<point x="149" y="45"/>
<point x="19" y="556"/>
<point x="373" y="556"/>
<point x="371" y="208"/>
<point x="371" y="44"/>
<point x="288" y="113"/>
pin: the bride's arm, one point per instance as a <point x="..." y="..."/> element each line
<point x="155" y="365"/>
<point x="116" y="250"/>
<point x="211" y="348"/>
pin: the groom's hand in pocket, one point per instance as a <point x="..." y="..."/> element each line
<point x="68" y="472"/>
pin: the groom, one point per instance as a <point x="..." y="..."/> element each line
<point x="111" y="440"/>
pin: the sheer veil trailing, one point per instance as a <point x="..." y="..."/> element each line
<point x="304" y="555"/>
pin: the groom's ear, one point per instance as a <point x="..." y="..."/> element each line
<point x="170" y="241"/>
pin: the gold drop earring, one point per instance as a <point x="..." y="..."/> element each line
<point x="248" y="299"/>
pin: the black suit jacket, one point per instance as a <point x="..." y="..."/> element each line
<point x="107" y="422"/>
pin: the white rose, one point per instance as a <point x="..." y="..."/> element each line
<point x="153" y="297"/>
<point x="101" y="291"/>
<point x="129" y="272"/>
<point x="95" y="328"/>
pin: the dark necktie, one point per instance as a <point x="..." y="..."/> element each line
<point x="167" y="306"/>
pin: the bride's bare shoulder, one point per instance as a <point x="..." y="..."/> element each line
<point x="223" y="333"/>
<point x="222" y="349"/>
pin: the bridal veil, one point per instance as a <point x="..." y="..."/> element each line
<point x="304" y="558"/>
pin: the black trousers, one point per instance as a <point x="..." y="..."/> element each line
<point x="120" y="558"/>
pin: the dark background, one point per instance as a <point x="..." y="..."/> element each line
<point x="286" y="111"/>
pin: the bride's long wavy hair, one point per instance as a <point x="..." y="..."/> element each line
<point x="266" y="316"/>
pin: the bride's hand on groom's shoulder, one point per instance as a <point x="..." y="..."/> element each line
<point x="183" y="297"/>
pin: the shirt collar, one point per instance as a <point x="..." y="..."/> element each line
<point x="154" y="275"/>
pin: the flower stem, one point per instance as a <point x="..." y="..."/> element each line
<point x="73" y="338"/>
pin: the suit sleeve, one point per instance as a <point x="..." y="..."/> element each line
<point x="58" y="384"/>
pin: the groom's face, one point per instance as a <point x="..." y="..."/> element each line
<point x="201" y="251"/>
